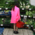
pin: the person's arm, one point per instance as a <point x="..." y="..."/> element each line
<point x="19" y="14"/>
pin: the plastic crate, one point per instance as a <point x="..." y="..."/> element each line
<point x="1" y="30"/>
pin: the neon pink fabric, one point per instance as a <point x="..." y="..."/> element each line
<point x="15" y="15"/>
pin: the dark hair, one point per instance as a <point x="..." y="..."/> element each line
<point x="16" y="4"/>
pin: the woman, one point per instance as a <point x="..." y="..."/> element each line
<point x="15" y="16"/>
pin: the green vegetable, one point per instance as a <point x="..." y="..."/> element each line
<point x="1" y="22"/>
<point x="30" y="13"/>
<point x="26" y="12"/>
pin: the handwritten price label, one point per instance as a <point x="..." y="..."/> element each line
<point x="27" y="25"/>
<point x="0" y="8"/>
<point x="25" y="16"/>
<point x="21" y="15"/>
<point x="22" y="8"/>
<point x="1" y="24"/>
<point x="29" y="9"/>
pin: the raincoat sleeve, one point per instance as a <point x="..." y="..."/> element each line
<point x="18" y="13"/>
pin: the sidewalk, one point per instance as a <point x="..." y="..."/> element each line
<point x="8" y="31"/>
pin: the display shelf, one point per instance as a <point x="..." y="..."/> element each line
<point x="5" y="25"/>
<point x="4" y="15"/>
<point x="20" y="9"/>
<point x="12" y="24"/>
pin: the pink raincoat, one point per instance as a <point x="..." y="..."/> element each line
<point x="15" y="15"/>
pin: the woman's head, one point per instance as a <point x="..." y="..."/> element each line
<point x="16" y="4"/>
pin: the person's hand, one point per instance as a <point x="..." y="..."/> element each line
<point x="20" y="18"/>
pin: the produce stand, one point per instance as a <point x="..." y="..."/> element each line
<point x="27" y="12"/>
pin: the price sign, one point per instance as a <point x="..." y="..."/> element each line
<point x="6" y="8"/>
<point x="22" y="8"/>
<point x="30" y="9"/>
<point x="0" y="8"/>
<point x="25" y="16"/>
<point x="2" y="19"/>
<point x="29" y="16"/>
<point x="1" y="24"/>
<point x="6" y="2"/>
<point x="21" y="15"/>
<point x="27" y="25"/>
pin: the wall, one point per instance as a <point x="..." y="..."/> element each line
<point x="32" y="2"/>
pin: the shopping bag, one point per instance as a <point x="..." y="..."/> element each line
<point x="20" y="24"/>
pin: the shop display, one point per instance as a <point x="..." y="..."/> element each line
<point x="26" y="22"/>
<point x="6" y="11"/>
<point x="30" y="13"/>
<point x="34" y="23"/>
<point x="30" y="21"/>
<point x="9" y="0"/>
<point x="6" y="3"/>
<point x="7" y="21"/>
<point x="33" y="12"/>
<point x="1" y="20"/>
<point x="22" y="12"/>
<point x="25" y="19"/>
<point x="22" y="19"/>
<point x="27" y="13"/>
<point x="22" y="4"/>
<point x="1" y="12"/>
<point x="26" y="10"/>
